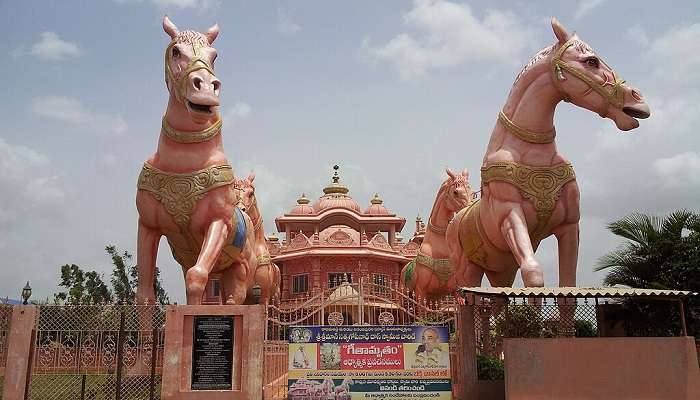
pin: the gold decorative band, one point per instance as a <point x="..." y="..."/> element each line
<point x="524" y="134"/>
<point x="541" y="185"/>
<point x="191" y="137"/>
<point x="180" y="192"/>
<point x="440" y="266"/>
<point x="263" y="259"/>
<point x="437" y="229"/>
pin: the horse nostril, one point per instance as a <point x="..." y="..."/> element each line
<point x="217" y="84"/>
<point x="197" y="82"/>
<point x="637" y="96"/>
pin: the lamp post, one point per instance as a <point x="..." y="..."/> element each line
<point x="26" y="293"/>
<point x="257" y="292"/>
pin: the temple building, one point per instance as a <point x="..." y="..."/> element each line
<point x="335" y="240"/>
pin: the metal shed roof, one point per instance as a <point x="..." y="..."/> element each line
<point x="582" y="292"/>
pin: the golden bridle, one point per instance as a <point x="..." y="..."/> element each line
<point x="614" y="98"/>
<point x="196" y="63"/>
<point x="440" y="230"/>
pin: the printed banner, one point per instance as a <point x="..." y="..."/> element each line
<point x="369" y="362"/>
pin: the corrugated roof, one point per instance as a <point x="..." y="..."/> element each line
<point x="574" y="292"/>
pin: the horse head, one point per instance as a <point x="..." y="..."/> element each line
<point x="189" y="72"/>
<point x="584" y="79"/>
<point x="246" y="194"/>
<point x="458" y="192"/>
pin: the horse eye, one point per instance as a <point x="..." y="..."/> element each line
<point x="592" y="62"/>
<point x="176" y="52"/>
<point x="214" y="58"/>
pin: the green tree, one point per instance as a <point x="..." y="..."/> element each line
<point x="123" y="287"/>
<point x="659" y="253"/>
<point x="125" y="278"/>
<point x="82" y="287"/>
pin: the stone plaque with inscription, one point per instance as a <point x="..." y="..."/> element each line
<point x="212" y="352"/>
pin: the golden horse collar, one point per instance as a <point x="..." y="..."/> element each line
<point x="524" y="134"/>
<point x="187" y="137"/>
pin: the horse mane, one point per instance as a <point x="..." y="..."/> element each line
<point x="192" y="37"/>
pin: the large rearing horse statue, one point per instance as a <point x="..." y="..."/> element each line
<point x="431" y="274"/>
<point x="267" y="273"/>
<point x="529" y="188"/>
<point x="185" y="190"/>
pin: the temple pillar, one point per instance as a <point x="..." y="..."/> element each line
<point x="287" y="235"/>
<point x="392" y="235"/>
<point x="316" y="273"/>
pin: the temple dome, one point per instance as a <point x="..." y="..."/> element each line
<point x="335" y="195"/>
<point x="376" y="207"/>
<point x="302" y="207"/>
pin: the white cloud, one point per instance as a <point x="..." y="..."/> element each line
<point x="52" y="47"/>
<point x="28" y="182"/>
<point x="73" y="112"/>
<point x="586" y="6"/>
<point x="449" y="34"/>
<point x="680" y="170"/>
<point x="638" y="34"/>
<point x="181" y="4"/>
<point x="238" y="112"/>
<point x="674" y="58"/>
<point x="285" y="24"/>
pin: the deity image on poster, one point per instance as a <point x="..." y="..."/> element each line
<point x="330" y="356"/>
<point x="303" y="357"/>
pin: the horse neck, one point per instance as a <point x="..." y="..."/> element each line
<point x="530" y="105"/>
<point x="184" y="157"/>
<point x="440" y="215"/>
<point x="255" y="217"/>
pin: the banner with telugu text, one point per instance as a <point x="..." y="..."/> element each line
<point x="369" y="362"/>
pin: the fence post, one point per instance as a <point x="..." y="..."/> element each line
<point x="467" y="344"/>
<point x="154" y="351"/>
<point x="120" y="354"/>
<point x="19" y="348"/>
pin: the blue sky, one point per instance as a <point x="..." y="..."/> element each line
<point x="393" y="91"/>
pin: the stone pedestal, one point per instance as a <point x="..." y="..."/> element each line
<point x="201" y="342"/>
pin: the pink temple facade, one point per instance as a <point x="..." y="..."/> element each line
<point x="335" y="240"/>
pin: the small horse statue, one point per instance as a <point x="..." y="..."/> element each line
<point x="431" y="273"/>
<point x="267" y="274"/>
<point x="529" y="188"/>
<point x="185" y="190"/>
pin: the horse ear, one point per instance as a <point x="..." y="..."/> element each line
<point x="559" y="31"/>
<point x="450" y="173"/>
<point x="251" y="176"/>
<point x="212" y="33"/>
<point x="170" y="28"/>
<point x="465" y="173"/>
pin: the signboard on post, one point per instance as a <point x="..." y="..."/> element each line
<point x="369" y="362"/>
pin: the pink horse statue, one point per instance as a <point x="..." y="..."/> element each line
<point x="529" y="188"/>
<point x="185" y="190"/>
<point x="431" y="273"/>
<point x="267" y="274"/>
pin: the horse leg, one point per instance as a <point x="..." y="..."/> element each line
<point x="514" y="230"/>
<point x="146" y="252"/>
<point x="236" y="281"/>
<point x="263" y="277"/>
<point x="197" y="276"/>
<point x="568" y="241"/>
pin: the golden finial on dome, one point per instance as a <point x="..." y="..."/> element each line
<point x="376" y="199"/>
<point x="303" y="199"/>
<point x="335" y="186"/>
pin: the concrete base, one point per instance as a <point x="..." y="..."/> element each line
<point x="248" y="336"/>
<point x="602" y="368"/>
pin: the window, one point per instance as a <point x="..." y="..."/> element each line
<point x="300" y="283"/>
<point x="380" y="282"/>
<point x="215" y="288"/>
<point x="336" y="278"/>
